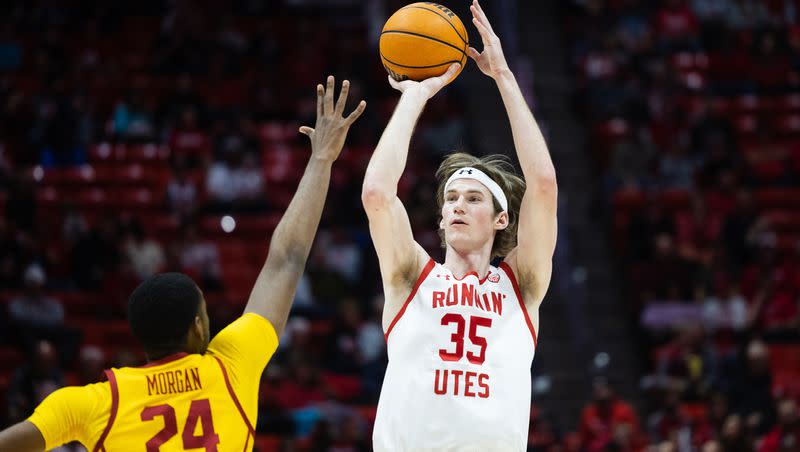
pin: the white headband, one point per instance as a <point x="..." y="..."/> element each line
<point x="475" y="174"/>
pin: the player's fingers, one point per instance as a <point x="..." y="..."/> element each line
<point x="328" y="108"/>
<point x="451" y="72"/>
<point x="356" y="113"/>
<point x="484" y="32"/>
<point x="305" y="130"/>
<point x="320" y="95"/>
<point x="480" y="14"/>
<point x="340" y="103"/>
<point x="474" y="54"/>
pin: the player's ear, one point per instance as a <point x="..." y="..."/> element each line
<point x="501" y="222"/>
<point x="198" y="328"/>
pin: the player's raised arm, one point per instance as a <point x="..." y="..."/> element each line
<point x="399" y="255"/>
<point x="275" y="287"/>
<point x="536" y="236"/>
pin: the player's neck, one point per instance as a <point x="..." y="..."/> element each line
<point x="462" y="262"/>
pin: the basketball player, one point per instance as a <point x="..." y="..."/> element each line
<point x="461" y="335"/>
<point x="192" y="394"/>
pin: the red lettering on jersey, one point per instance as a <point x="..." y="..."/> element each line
<point x="162" y="383"/>
<point x="467" y="293"/>
<point x="438" y="299"/>
<point x="468" y="383"/>
<point x="441" y="377"/>
<point x="187" y="383"/>
<point x="452" y="296"/>
<point x="436" y="389"/>
<point x="484" y="386"/>
<point x="456" y="374"/>
<point x="171" y="382"/>
<point x="497" y="302"/>
<point x="196" y="378"/>
<point x="179" y="381"/>
<point x="478" y="301"/>
<point x="151" y="384"/>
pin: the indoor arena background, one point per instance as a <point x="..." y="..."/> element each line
<point x="145" y="136"/>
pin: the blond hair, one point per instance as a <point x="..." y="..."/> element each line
<point x="500" y="170"/>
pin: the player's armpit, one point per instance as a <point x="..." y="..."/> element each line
<point x="22" y="437"/>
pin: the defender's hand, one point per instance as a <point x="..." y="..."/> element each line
<point x="330" y="131"/>
<point x="428" y="87"/>
<point x="491" y="61"/>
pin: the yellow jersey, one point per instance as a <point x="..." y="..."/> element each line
<point x="182" y="402"/>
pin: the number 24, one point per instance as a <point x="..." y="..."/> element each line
<point x="199" y="411"/>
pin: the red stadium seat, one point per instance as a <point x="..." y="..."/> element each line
<point x="344" y="387"/>
<point x="778" y="198"/>
<point x="268" y="443"/>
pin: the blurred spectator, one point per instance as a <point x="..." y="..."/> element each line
<point x="736" y="228"/>
<point x="145" y="254"/>
<point x="188" y="142"/>
<point x="785" y="435"/>
<point x="604" y="416"/>
<point x="33" y="309"/>
<point x="92" y="362"/>
<point x="74" y="225"/>
<point x="33" y="316"/>
<point x="727" y="312"/>
<point x="32" y="382"/>
<point x="182" y="193"/>
<point x="133" y="120"/>
<point x="747" y="14"/>
<point x="236" y="184"/>
<point x="200" y="257"/>
<point x="676" y="26"/>
<point x="751" y="391"/>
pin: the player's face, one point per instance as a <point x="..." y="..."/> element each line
<point x="198" y="342"/>
<point x="468" y="217"/>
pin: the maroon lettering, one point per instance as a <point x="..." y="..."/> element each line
<point x="484" y="385"/>
<point x="451" y="300"/>
<point x="171" y="382"/>
<point x="468" y="382"/>
<point x="438" y="299"/>
<point x="497" y="303"/>
<point x="436" y="389"/>
<point x="187" y="383"/>
<point x="162" y="383"/>
<point x="151" y="384"/>
<point x="196" y="378"/>
<point x="179" y="381"/>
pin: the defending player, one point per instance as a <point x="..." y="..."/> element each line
<point x="194" y="394"/>
<point x="461" y="335"/>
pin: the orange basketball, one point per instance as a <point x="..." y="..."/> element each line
<point x="422" y="40"/>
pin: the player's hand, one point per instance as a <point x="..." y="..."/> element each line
<point x="491" y="61"/>
<point x="330" y="131"/>
<point x="428" y="87"/>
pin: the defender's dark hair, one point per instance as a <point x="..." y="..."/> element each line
<point x="161" y="310"/>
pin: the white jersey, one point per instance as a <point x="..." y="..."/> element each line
<point x="460" y="353"/>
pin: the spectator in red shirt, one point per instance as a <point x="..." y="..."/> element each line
<point x="188" y="141"/>
<point x="785" y="435"/>
<point x="608" y="420"/>
<point x="676" y="26"/>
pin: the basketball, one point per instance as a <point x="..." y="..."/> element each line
<point x="422" y="40"/>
